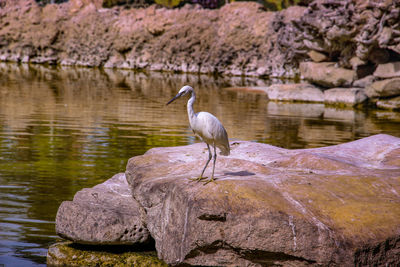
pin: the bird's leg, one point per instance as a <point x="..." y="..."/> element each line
<point x="215" y="159"/>
<point x="201" y="175"/>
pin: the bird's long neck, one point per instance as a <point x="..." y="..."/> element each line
<point x="190" y="110"/>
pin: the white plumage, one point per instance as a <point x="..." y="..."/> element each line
<point x="207" y="127"/>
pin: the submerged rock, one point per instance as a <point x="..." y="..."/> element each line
<point x="69" y="254"/>
<point x="103" y="215"/>
<point x="269" y="205"/>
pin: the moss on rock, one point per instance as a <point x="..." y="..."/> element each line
<point x="67" y="253"/>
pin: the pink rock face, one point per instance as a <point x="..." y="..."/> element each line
<point x="271" y="205"/>
<point x="103" y="215"/>
<point x="327" y="74"/>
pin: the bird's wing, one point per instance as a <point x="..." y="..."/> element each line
<point x="212" y="131"/>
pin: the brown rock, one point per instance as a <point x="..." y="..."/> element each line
<point x="388" y="70"/>
<point x="384" y="88"/>
<point x="364" y="82"/>
<point x="295" y="92"/>
<point x="327" y="74"/>
<point x="103" y="215"/>
<point x="347" y="96"/>
<point x="271" y="205"/>
<point x="317" y="56"/>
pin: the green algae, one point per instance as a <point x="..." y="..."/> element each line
<point x="69" y="254"/>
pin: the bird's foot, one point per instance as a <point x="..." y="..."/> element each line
<point x="209" y="181"/>
<point x="198" y="179"/>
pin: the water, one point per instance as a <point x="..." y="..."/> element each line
<point x="65" y="129"/>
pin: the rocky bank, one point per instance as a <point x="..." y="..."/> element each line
<point x="331" y="44"/>
<point x="329" y="206"/>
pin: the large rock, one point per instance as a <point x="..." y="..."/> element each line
<point x="346" y="96"/>
<point x="103" y="215"/>
<point x="388" y="70"/>
<point x="303" y="92"/>
<point x="384" y="88"/>
<point x="269" y="205"/>
<point x="327" y="74"/>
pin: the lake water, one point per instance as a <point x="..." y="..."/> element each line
<point x="63" y="129"/>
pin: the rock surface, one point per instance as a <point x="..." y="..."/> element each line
<point x="103" y="215"/>
<point x="384" y="88"/>
<point x="269" y="205"/>
<point x="347" y="96"/>
<point x="388" y="70"/>
<point x="327" y="74"/>
<point x="68" y="254"/>
<point x="295" y="92"/>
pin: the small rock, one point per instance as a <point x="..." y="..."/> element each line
<point x="317" y="56"/>
<point x="388" y="70"/>
<point x="348" y="96"/>
<point x="327" y="74"/>
<point x="355" y="62"/>
<point x="364" y="82"/>
<point x="384" y="88"/>
<point x="104" y="214"/>
<point x="295" y="92"/>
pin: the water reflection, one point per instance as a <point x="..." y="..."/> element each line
<point x="62" y="129"/>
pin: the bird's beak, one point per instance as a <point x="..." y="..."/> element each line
<point x="175" y="97"/>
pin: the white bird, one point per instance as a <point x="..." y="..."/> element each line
<point x="208" y="128"/>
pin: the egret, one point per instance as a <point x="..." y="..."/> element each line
<point x="208" y="128"/>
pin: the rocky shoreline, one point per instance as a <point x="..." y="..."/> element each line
<point x="329" y="206"/>
<point x="349" y="50"/>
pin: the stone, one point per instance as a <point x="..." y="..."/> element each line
<point x="347" y="96"/>
<point x="379" y="56"/>
<point x="272" y="206"/>
<point x="327" y="74"/>
<point x="103" y="215"/>
<point x="364" y="82"/>
<point x="384" y="88"/>
<point x="67" y="253"/>
<point x="355" y="62"/>
<point x="388" y="70"/>
<point x="303" y="92"/>
<point x="389" y="103"/>
<point x="317" y="56"/>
